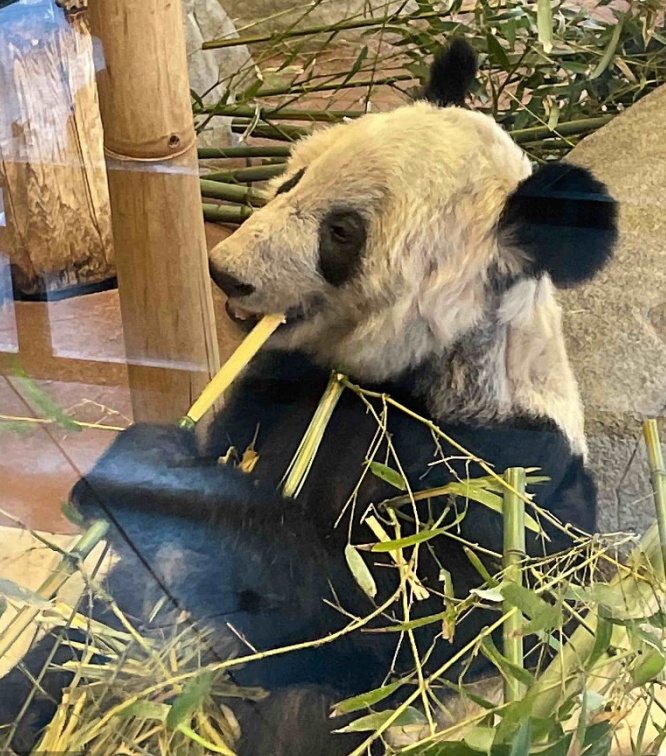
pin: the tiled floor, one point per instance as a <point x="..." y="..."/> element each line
<point x="73" y="353"/>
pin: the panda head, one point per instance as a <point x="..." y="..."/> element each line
<point x="391" y="237"/>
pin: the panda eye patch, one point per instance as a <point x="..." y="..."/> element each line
<point x="342" y="236"/>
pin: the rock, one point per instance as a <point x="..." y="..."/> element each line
<point x="211" y="71"/>
<point x="616" y="324"/>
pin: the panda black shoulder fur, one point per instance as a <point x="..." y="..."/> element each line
<point x="417" y="252"/>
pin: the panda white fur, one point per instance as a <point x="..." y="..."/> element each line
<point x="417" y="252"/>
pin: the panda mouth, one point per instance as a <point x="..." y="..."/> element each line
<point x="247" y="319"/>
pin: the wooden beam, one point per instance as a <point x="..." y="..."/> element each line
<point x="150" y="146"/>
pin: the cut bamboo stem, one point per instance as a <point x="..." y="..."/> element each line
<point x="226" y="213"/>
<point x="231" y="369"/>
<point x="302" y="462"/>
<point x="231" y="193"/>
<point x="159" y="239"/>
<point x="246" y="175"/>
<point x="213" y="153"/>
<point x="53" y="583"/>
<point x="513" y="556"/>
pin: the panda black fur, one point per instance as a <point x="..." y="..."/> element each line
<point x="430" y="282"/>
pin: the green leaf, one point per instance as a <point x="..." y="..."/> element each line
<point x="469" y="489"/>
<point x="602" y="639"/>
<point x="497" y="52"/>
<point x="192" y="735"/>
<point x="360" y="571"/>
<point x="388" y="474"/>
<point x="647" y="667"/>
<point x="609" y="52"/>
<point x="194" y="692"/>
<point x="145" y="710"/>
<point x="545" y="24"/>
<point x="503" y="664"/>
<point x="356" y="67"/>
<point x="542" y="615"/>
<point x="522" y="740"/>
<point x="374" y="721"/>
<point x="364" y="700"/>
<point x="401" y="543"/>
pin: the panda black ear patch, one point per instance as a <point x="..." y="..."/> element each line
<point x="452" y="73"/>
<point x="564" y="221"/>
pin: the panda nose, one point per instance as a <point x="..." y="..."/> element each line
<point x="229" y="284"/>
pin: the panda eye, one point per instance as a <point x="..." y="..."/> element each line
<point x="342" y="237"/>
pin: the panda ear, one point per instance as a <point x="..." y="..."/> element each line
<point x="451" y="74"/>
<point x="563" y="220"/>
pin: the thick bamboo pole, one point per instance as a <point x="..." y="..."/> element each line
<point x="158" y="231"/>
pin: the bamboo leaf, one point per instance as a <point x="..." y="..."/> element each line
<point x="360" y="571"/>
<point x="609" y="52"/>
<point x="372" y="722"/>
<point x="412" y="540"/>
<point x="522" y="740"/>
<point x="388" y="474"/>
<point x="194" y="692"/>
<point x="545" y="24"/>
<point x="543" y="616"/>
<point x="503" y="664"/>
<point x="647" y="667"/>
<point x="145" y="710"/>
<point x="364" y="700"/>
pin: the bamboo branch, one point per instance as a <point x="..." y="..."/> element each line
<point x="514" y="553"/>
<point x="280" y="132"/>
<point x="568" y="128"/>
<point x="304" y="89"/>
<point x="657" y="477"/>
<point x="251" y="39"/>
<point x="288" y="114"/>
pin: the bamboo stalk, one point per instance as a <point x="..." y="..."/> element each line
<point x="568" y="128"/>
<point x="225" y="213"/>
<point x="278" y="132"/>
<point x="301" y="464"/>
<point x="513" y="556"/>
<point x="657" y="477"/>
<point x="213" y="153"/>
<point x="160" y="245"/>
<point x="53" y="583"/>
<point x="245" y="175"/>
<point x="362" y="23"/>
<point x="246" y="350"/>
<point x="287" y="114"/>
<point x="231" y="193"/>
<point x="304" y="89"/>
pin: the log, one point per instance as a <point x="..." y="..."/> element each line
<point x="161" y="259"/>
<point x="52" y="174"/>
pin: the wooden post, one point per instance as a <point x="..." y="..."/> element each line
<point x="52" y="177"/>
<point x="159" y="241"/>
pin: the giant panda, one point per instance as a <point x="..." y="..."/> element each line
<point x="418" y="253"/>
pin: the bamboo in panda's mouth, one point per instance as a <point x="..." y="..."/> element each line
<point x="228" y="373"/>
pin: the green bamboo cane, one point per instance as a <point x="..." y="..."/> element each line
<point x="232" y="193"/>
<point x="657" y="477"/>
<point x="226" y="213"/>
<point x="213" y="153"/>
<point x="245" y="175"/>
<point x="514" y="553"/>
